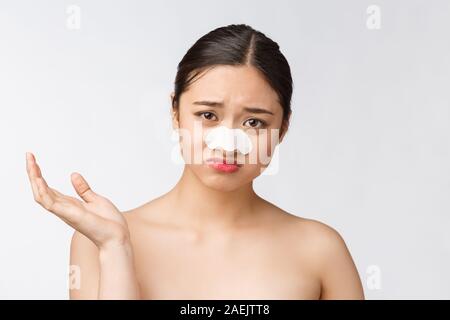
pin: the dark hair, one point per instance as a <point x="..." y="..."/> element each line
<point x="237" y="44"/>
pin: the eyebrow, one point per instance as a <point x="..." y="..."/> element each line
<point x="221" y="105"/>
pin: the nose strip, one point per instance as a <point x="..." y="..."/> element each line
<point x="228" y="139"/>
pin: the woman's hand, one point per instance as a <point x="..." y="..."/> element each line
<point x="96" y="217"/>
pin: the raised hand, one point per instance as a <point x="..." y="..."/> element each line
<point x="94" y="216"/>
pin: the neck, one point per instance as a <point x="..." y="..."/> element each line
<point x="202" y="207"/>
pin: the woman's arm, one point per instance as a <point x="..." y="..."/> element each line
<point x="101" y="274"/>
<point x="117" y="273"/>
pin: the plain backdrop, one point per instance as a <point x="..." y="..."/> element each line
<point x="367" y="152"/>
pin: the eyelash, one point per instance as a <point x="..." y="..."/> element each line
<point x="263" y="123"/>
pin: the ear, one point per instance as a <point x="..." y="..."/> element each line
<point x="284" y="127"/>
<point x="174" y="110"/>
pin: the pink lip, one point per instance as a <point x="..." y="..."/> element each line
<point x="221" y="165"/>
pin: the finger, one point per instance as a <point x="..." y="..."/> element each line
<point x="53" y="202"/>
<point x="30" y="162"/>
<point x="35" y="173"/>
<point x="32" y="166"/>
<point x="35" y="190"/>
<point x="82" y="187"/>
<point x="49" y="199"/>
<point x="46" y="198"/>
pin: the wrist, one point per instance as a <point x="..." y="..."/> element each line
<point x="114" y="248"/>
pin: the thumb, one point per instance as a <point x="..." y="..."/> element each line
<point x="82" y="187"/>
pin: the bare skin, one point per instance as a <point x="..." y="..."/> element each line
<point x="211" y="236"/>
<point x="270" y="255"/>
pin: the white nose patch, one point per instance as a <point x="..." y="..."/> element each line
<point x="228" y="139"/>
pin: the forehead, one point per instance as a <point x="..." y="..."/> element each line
<point x="239" y="85"/>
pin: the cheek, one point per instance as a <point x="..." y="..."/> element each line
<point x="264" y="145"/>
<point x="191" y="142"/>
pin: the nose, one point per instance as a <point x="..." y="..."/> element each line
<point x="228" y="140"/>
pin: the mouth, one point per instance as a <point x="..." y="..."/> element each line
<point x="221" y="164"/>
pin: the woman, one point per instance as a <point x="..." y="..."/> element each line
<point x="211" y="236"/>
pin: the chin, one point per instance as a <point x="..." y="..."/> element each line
<point x="228" y="182"/>
<point x="218" y="181"/>
<point x="221" y="182"/>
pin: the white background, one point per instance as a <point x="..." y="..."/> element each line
<point x="368" y="150"/>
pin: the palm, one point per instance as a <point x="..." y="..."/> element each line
<point x="101" y="207"/>
<point x="96" y="217"/>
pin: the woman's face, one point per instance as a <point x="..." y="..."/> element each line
<point x="242" y="100"/>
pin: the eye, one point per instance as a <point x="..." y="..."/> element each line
<point x="206" y="115"/>
<point x="255" y="122"/>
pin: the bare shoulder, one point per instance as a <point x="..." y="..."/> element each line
<point x="321" y="234"/>
<point x="338" y="272"/>
<point x="332" y="260"/>
<point x="312" y="230"/>
<point x="322" y="242"/>
<point x="327" y="255"/>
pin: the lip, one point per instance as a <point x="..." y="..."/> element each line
<point x="221" y="165"/>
